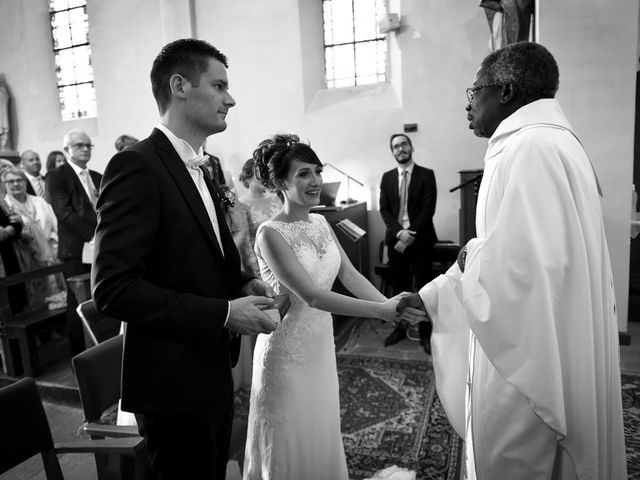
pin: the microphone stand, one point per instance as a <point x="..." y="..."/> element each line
<point x="349" y="177"/>
<point x="472" y="179"/>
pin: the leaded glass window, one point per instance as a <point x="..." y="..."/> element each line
<point x="354" y="50"/>
<point x="70" y="31"/>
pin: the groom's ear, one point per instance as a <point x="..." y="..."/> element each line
<point x="178" y="85"/>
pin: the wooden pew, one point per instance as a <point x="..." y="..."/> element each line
<point x="18" y="332"/>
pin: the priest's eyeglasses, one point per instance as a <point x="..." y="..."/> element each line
<point x="473" y="91"/>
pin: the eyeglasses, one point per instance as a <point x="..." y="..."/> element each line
<point x="473" y="91"/>
<point x="88" y="146"/>
<point x="14" y="180"/>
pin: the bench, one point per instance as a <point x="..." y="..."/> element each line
<point x="18" y="331"/>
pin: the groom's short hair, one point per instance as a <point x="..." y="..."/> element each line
<point x="188" y="57"/>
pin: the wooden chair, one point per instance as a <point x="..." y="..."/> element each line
<point x="25" y="432"/>
<point x="98" y="373"/>
<point x="18" y="332"/>
<point x="97" y="326"/>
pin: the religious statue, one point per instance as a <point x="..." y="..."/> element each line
<point x="509" y="20"/>
<point x="5" y="125"/>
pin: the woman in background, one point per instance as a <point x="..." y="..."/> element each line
<point x="55" y="159"/>
<point x="261" y="204"/>
<point x="10" y="232"/>
<point x="37" y="246"/>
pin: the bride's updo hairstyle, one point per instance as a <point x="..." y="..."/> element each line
<point x="273" y="159"/>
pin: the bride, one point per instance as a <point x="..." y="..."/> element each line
<point x="294" y="414"/>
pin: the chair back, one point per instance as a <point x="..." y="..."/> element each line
<point x="24" y="430"/>
<point x="98" y="371"/>
<point x="98" y="326"/>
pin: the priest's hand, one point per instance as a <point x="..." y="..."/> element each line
<point x="411" y="308"/>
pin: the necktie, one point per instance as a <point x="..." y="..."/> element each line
<point x="39" y="187"/>
<point x="89" y="186"/>
<point x="403" y="197"/>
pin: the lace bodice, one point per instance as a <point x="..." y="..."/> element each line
<point x="305" y="334"/>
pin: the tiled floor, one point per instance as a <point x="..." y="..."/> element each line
<point x="64" y="420"/>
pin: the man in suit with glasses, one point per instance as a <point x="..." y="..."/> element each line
<point x="72" y="190"/>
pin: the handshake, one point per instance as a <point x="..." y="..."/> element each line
<point x="410" y="309"/>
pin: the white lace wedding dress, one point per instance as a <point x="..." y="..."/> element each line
<point x="294" y="413"/>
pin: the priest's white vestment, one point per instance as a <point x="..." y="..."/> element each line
<point x="525" y="341"/>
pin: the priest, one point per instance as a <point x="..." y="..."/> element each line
<point x="525" y="338"/>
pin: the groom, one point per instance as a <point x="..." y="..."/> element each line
<point x="166" y="264"/>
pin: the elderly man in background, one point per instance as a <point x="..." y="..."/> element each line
<point x="72" y="189"/>
<point x="30" y="163"/>
<point x="525" y="322"/>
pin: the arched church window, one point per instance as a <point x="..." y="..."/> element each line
<point x="355" y="51"/>
<point x="70" y="32"/>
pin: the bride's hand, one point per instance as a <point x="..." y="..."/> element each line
<point x="388" y="310"/>
<point x="410" y="308"/>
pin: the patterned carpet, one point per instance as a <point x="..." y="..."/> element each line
<point x="631" y="411"/>
<point x="402" y="421"/>
<point x="391" y="415"/>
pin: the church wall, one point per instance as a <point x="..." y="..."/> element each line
<point x="596" y="49"/>
<point x="276" y="68"/>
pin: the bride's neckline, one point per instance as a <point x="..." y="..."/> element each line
<point x="308" y="221"/>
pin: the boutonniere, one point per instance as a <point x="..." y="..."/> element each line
<point x="227" y="196"/>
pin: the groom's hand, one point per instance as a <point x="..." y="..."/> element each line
<point x="247" y="318"/>
<point x="411" y="308"/>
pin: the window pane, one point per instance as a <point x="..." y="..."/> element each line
<point x="77" y="3"/>
<point x="73" y="65"/>
<point x="327" y="18"/>
<point x="78" y="20"/>
<point x="366" y="60"/>
<point x="60" y="30"/>
<point x="77" y="101"/>
<point x="365" y="20"/>
<point x="329" y="63"/>
<point x="87" y="100"/>
<point x="342" y="21"/>
<point x="344" y="65"/>
<point x="55" y="5"/>
<point x="69" y="102"/>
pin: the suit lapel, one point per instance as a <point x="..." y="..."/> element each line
<point x="187" y="188"/>
<point x="394" y="192"/>
<point x="76" y="184"/>
<point x="228" y="244"/>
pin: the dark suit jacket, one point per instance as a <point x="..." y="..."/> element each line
<point x="30" y="189"/>
<point x="159" y="268"/>
<point x="76" y="215"/>
<point x="421" y="205"/>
